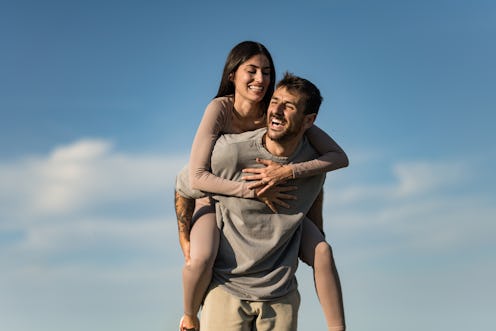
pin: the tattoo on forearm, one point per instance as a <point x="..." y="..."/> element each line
<point x="184" y="212"/>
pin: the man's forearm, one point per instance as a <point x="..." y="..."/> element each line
<point x="184" y="213"/>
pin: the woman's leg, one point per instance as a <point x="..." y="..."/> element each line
<point x="316" y="252"/>
<point x="197" y="274"/>
<point x="315" y="212"/>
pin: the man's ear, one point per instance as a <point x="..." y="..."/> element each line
<point x="308" y="120"/>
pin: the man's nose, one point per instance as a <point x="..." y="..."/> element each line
<point x="279" y="108"/>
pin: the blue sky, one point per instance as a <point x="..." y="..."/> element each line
<point x="99" y="102"/>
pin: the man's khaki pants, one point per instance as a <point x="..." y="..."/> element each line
<point x="224" y="312"/>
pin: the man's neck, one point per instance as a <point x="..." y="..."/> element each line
<point x="281" y="148"/>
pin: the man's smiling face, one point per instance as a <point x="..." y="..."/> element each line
<point x="285" y="115"/>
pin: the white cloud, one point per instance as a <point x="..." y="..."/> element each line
<point x="81" y="197"/>
<point x="98" y="224"/>
<point x="83" y="150"/>
<point x="409" y="180"/>
<point x="424" y="177"/>
<point x="428" y="208"/>
<point x="83" y="175"/>
<point x="100" y="238"/>
<point x="50" y="220"/>
<point x="88" y="233"/>
<point x="75" y="206"/>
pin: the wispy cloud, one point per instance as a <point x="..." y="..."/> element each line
<point x="421" y="208"/>
<point x="83" y="226"/>
<point x="98" y="224"/>
<point x="86" y="195"/>
<point x="85" y="203"/>
<point x="407" y="180"/>
<point x="84" y="175"/>
<point x="425" y="177"/>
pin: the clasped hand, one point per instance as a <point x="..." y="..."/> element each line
<point x="267" y="180"/>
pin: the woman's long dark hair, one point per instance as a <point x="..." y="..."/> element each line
<point x="238" y="55"/>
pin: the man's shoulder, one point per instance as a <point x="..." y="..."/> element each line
<point x="304" y="152"/>
<point x="237" y="138"/>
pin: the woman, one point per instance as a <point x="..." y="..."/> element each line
<point x="240" y="105"/>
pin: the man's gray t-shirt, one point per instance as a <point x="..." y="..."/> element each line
<point x="258" y="252"/>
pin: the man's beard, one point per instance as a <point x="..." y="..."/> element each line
<point x="287" y="134"/>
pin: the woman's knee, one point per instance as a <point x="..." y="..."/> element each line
<point x="200" y="264"/>
<point x="323" y="252"/>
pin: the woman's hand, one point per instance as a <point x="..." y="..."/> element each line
<point x="275" y="195"/>
<point x="272" y="174"/>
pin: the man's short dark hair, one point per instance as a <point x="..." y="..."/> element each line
<point x="310" y="93"/>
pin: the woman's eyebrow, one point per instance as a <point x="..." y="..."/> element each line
<point x="255" y="66"/>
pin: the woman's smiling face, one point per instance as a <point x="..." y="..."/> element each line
<point x="252" y="78"/>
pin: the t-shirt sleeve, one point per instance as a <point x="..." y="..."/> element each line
<point x="332" y="156"/>
<point x="183" y="187"/>
<point x="214" y="122"/>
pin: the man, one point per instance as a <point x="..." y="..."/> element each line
<point x="254" y="285"/>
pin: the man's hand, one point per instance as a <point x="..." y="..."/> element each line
<point x="272" y="174"/>
<point x="184" y="213"/>
<point x="275" y="195"/>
